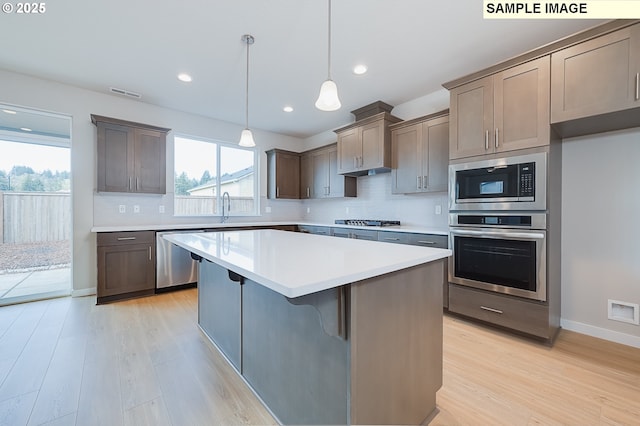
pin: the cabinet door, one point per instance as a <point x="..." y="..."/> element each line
<point x="287" y="175"/>
<point x="150" y="159"/>
<point x="306" y="176"/>
<point x="320" y="161"/>
<point x="597" y="76"/>
<point x="373" y="146"/>
<point x="125" y="269"/>
<point x="471" y="116"/>
<point x="220" y="309"/>
<point x="406" y="168"/>
<point x="434" y="152"/>
<point x="521" y="106"/>
<point x="115" y="158"/>
<point x="349" y="150"/>
<point x="339" y="185"/>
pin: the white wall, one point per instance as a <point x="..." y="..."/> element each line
<point x="601" y="232"/>
<point x="29" y="92"/>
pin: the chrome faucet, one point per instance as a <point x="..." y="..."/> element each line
<point x="225" y="216"/>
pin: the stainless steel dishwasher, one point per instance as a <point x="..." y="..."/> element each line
<point x="174" y="265"/>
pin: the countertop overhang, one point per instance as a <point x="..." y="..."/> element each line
<point x="296" y="264"/>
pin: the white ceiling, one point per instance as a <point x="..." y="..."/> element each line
<point x="410" y="46"/>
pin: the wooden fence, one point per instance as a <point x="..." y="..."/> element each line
<point x="28" y="217"/>
<point x="190" y="205"/>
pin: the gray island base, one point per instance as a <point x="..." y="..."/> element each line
<point x="362" y="352"/>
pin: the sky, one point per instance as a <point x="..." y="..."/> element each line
<point x="38" y="157"/>
<point x="194" y="157"/>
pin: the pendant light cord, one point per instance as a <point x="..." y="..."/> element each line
<point x="329" y="44"/>
<point x="246" y="117"/>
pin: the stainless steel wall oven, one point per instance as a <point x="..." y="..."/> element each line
<point x="500" y="252"/>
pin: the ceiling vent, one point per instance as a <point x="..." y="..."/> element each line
<point x="125" y="92"/>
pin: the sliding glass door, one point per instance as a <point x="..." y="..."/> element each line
<point x="35" y="205"/>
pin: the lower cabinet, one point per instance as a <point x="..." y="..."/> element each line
<point x="358" y="234"/>
<point x="219" y="309"/>
<point x="526" y="316"/>
<point x="126" y="265"/>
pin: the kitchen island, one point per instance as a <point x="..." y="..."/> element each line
<point x="325" y="330"/>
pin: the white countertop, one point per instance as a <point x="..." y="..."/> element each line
<point x="295" y="264"/>
<point x="214" y="225"/>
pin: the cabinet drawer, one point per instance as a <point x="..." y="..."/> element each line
<point x="428" y="240"/>
<point x="393" y="237"/>
<point x="310" y="229"/>
<point x="506" y="311"/>
<point x="132" y="237"/>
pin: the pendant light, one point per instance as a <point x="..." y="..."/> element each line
<point x="246" y="137"/>
<point x="328" y="98"/>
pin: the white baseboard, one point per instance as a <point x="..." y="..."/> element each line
<point x="83" y="292"/>
<point x="601" y="333"/>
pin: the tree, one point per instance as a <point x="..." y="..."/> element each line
<point x="206" y="177"/>
<point x="32" y="184"/>
<point x="21" y="170"/>
<point x="183" y="183"/>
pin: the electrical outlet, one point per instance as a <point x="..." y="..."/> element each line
<point x="267" y="209"/>
<point x="308" y="209"/>
<point x="160" y="209"/>
<point x="438" y="209"/>
<point x="122" y="208"/>
<point x="136" y="208"/>
<point x="346" y="210"/>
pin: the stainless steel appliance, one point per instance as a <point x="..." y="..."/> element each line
<point x="510" y="183"/>
<point x="500" y="252"/>
<point x="174" y="265"/>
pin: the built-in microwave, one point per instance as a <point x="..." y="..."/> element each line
<point x="509" y="183"/>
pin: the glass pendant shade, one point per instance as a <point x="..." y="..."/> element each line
<point x="328" y="99"/>
<point x="246" y="138"/>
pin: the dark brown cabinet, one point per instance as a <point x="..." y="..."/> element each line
<point x="420" y="154"/>
<point x="502" y="112"/>
<point x="365" y="145"/>
<point x="126" y="265"/>
<point x="131" y="156"/>
<point x="599" y="76"/>
<point x="283" y="174"/>
<point x="319" y="175"/>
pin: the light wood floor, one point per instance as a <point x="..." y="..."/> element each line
<point x="144" y="362"/>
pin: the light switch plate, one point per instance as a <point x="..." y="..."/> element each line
<point x="122" y="208"/>
<point x="161" y="209"/>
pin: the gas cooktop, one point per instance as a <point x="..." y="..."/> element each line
<point x="367" y="222"/>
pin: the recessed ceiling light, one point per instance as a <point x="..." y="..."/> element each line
<point x="287" y="109"/>
<point x="8" y="111"/>
<point x="360" y="69"/>
<point x="26" y="129"/>
<point x="185" y="77"/>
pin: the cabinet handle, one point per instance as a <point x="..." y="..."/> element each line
<point x="486" y="140"/>
<point x="126" y="238"/>
<point x="137" y="184"/>
<point x="308" y="192"/>
<point x="496" y="311"/>
<point x="149" y="252"/>
<point x="277" y="191"/>
<point x="426" y="242"/>
<point x="129" y="183"/>
<point x="418" y="182"/>
<point x="637" y="86"/>
<point x="496" y="137"/>
<point x="355" y="162"/>
<point x="391" y="239"/>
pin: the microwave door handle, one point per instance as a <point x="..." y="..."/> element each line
<point x="510" y="235"/>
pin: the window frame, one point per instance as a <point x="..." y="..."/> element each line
<point x="219" y="143"/>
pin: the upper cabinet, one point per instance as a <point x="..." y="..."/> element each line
<point x="283" y="174"/>
<point x="365" y="145"/>
<point x="131" y="156"/>
<point x="322" y="179"/>
<point x="506" y="111"/>
<point x="420" y="154"/>
<point x="598" y="77"/>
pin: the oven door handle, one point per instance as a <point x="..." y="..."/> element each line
<point x="509" y="234"/>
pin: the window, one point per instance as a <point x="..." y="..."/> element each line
<point x="205" y="170"/>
